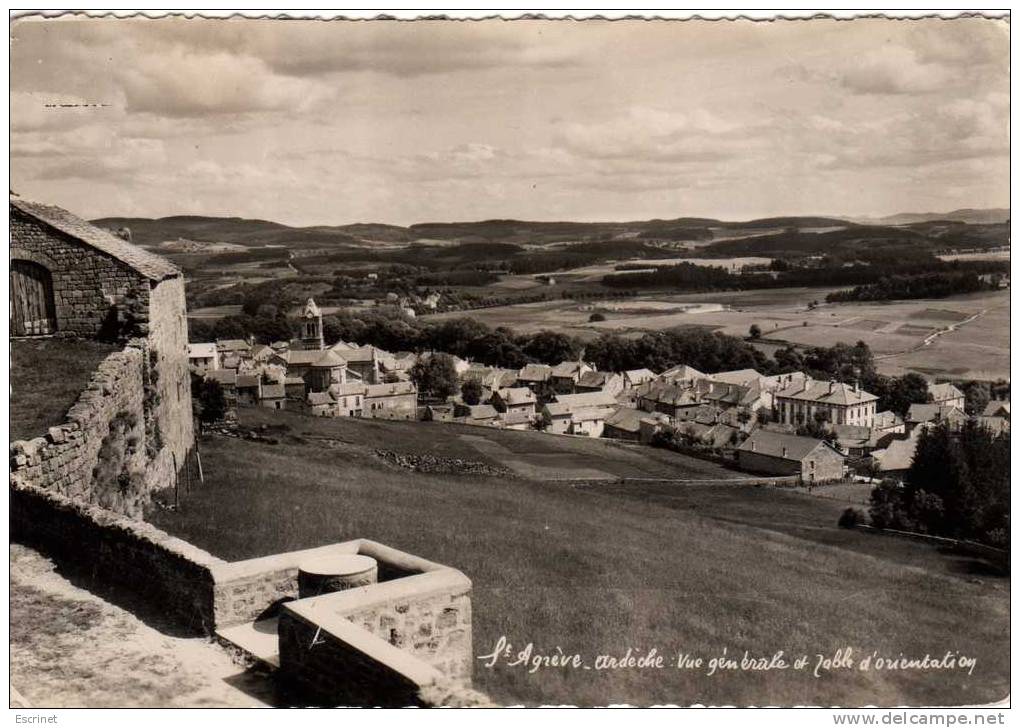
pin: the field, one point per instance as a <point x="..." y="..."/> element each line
<point x="601" y="568"/>
<point x="904" y="335"/>
<point x="47" y="375"/>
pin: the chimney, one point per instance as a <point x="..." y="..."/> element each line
<point x="754" y="446"/>
<point x="832" y="385"/>
<point x="784" y="451"/>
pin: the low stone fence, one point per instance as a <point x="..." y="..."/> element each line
<point x="174" y="577"/>
<point x="383" y="644"/>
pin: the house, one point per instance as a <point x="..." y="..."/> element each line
<point x="669" y="399"/>
<point x="514" y="399"/>
<point x="681" y="375"/>
<point x="996" y="408"/>
<point x="778" y="453"/>
<point x="249" y="389"/>
<point x="743" y="377"/>
<point x="624" y="423"/>
<point x="367" y="362"/>
<point x="274" y="396"/>
<point x="565" y="375"/>
<point x="998" y="425"/>
<point x="897" y="456"/>
<point x="835" y="402"/>
<point x="226" y="377"/>
<point x="600" y="382"/>
<point x="476" y="414"/>
<point x="350" y="398"/>
<point x="579" y="414"/>
<point x="889" y="422"/>
<point x="203" y="357"/>
<point x="636" y="377"/>
<point x="237" y="347"/>
<point x="946" y="395"/>
<point x="396" y="400"/>
<point x="322" y="404"/>
<point x="534" y="376"/>
<point x="856" y="441"/>
<point x="651" y="425"/>
<point x="920" y="414"/>
<point x="749" y="398"/>
<point x="295" y="388"/>
<point x="515" y="420"/>
<point x="438" y="413"/>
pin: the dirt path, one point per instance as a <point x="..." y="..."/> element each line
<point x="931" y="337"/>
<point x="71" y="649"/>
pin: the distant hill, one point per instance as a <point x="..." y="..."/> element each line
<point x="985" y="216"/>
<point x="239" y="231"/>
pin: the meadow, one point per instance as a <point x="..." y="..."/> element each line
<point x="47" y="376"/>
<point x="603" y="567"/>
<point x="896" y="331"/>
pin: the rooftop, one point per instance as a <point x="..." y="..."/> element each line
<point x="780" y="444"/>
<point x="138" y="259"/>
<point x="815" y="390"/>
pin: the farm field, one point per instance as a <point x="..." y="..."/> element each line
<point x="603" y="567"/>
<point x="896" y="331"/>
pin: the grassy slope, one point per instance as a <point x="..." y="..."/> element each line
<point x="600" y="569"/>
<point x="47" y="375"/>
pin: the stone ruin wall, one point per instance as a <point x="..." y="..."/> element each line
<point x="146" y="388"/>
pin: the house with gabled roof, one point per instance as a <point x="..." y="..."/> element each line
<point x="636" y="377"/>
<point x="565" y="375"/>
<point x="935" y="414"/>
<point x="514" y="399"/>
<point x="669" y="399"/>
<point x="996" y="408"/>
<point x="534" y="376"/>
<point x="947" y="395"/>
<point x="778" y="453"/>
<point x="593" y="381"/>
<point x="889" y="422"/>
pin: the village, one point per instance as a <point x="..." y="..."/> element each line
<point x="741" y="417"/>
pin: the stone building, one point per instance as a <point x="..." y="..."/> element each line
<point x="69" y="277"/>
<point x="311" y="326"/>
<point x="779" y="453"/>
<point x="839" y="403"/>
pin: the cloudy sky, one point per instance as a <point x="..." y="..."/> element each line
<point x="310" y="122"/>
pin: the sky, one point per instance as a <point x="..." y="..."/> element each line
<point x="314" y="122"/>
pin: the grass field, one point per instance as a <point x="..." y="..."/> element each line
<point x="895" y="330"/>
<point x="47" y="375"/>
<point x="603" y="567"/>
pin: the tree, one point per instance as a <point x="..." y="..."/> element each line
<point x="552" y="347"/>
<point x="211" y="402"/>
<point x="435" y="376"/>
<point x="595" y="317"/>
<point x="755" y="331"/>
<point x="471" y="392"/>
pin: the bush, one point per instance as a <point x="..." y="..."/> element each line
<point x="597" y="317"/>
<point x="851" y="518"/>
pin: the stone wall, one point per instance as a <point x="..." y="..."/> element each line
<point x="172" y="576"/>
<point x="87" y="284"/>
<point x="382" y="644"/>
<point x="66" y="458"/>
<point x="167" y="341"/>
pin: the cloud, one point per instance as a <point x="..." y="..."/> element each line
<point x="894" y="70"/>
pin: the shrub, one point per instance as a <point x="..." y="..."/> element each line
<point x="851" y="518"/>
<point x="597" y="317"/>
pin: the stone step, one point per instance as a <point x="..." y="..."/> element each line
<point x="256" y="640"/>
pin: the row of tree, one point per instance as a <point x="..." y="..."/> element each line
<point x="928" y="285"/>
